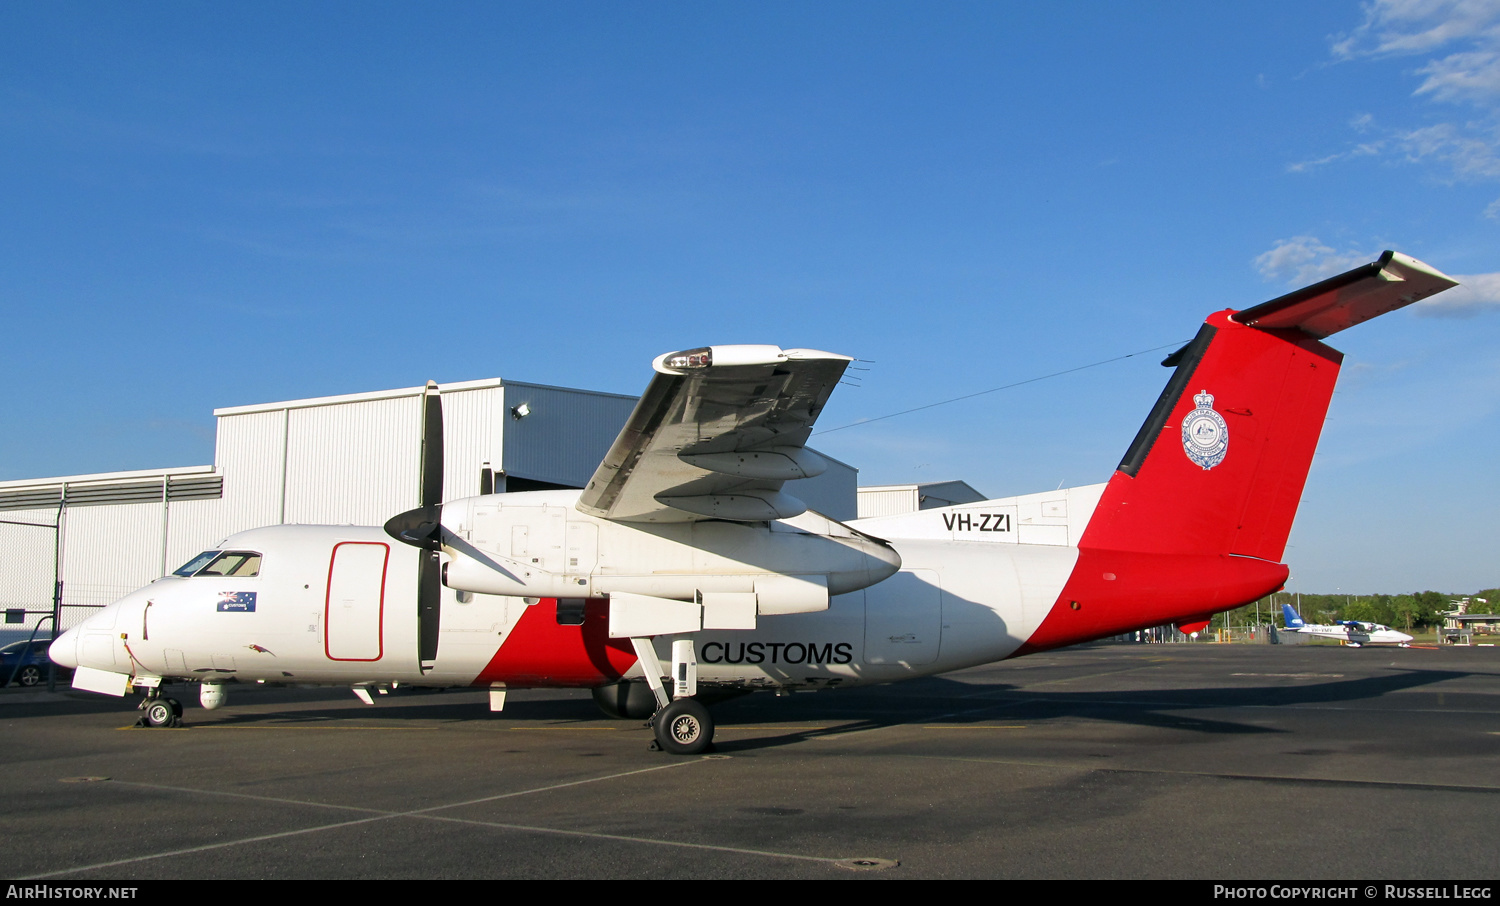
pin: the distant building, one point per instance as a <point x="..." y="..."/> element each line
<point x="896" y="499"/>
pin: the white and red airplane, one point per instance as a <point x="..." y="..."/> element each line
<point x="685" y="560"/>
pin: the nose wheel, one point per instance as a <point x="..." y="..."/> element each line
<point x="683" y="727"/>
<point x="157" y="712"/>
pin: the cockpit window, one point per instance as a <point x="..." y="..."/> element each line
<point x="239" y="564"/>
<point x="197" y="563"/>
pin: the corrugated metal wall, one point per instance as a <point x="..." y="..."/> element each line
<point x="474" y="425"/>
<point x="108" y="552"/>
<point x="194" y="526"/>
<point x="249" y="454"/>
<point x="353" y="462"/>
<point x="887" y="501"/>
<point x="566" y="434"/>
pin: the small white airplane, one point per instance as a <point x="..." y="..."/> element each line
<point x="685" y="559"/>
<point x="1351" y="632"/>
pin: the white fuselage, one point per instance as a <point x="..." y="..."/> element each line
<point x="337" y="604"/>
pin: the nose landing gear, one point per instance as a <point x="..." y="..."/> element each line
<point x="158" y="711"/>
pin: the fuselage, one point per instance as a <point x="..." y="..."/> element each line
<point x="337" y="604"/>
<point x="307" y="617"/>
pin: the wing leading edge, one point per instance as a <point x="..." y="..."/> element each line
<point x="716" y="434"/>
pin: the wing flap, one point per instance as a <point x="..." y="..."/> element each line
<point x="716" y="434"/>
<point x="1323" y="309"/>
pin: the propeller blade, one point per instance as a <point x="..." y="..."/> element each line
<point x="423" y="528"/>
<point x="429" y="608"/>
<point x="432" y="446"/>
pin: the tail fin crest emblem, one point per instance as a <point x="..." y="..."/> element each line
<point x="1205" y="436"/>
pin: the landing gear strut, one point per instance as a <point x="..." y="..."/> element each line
<point x="682" y="726"/>
<point x="157" y="711"/>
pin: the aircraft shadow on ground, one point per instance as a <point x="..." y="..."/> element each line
<point x="836" y="712"/>
<point x="956" y="703"/>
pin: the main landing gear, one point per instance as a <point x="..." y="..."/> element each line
<point x="682" y="725"/>
<point x="159" y="711"/>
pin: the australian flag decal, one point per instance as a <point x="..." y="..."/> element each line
<point x="237" y="601"/>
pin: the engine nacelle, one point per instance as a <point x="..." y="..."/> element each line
<point x="538" y="545"/>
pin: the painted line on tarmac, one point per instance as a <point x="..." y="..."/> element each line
<point x="626" y="839"/>
<point x="200" y="727"/>
<point x="1084" y="676"/>
<point x="379" y="816"/>
<point x="789" y="727"/>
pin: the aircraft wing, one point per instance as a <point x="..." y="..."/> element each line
<point x="715" y="435"/>
<point x="1391" y="282"/>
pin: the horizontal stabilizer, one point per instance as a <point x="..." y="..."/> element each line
<point x="1326" y="308"/>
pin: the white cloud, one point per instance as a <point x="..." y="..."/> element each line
<point x="1405" y="27"/>
<point x="1462" y="40"/>
<point x="1305" y="259"/>
<point x="1470" y="156"/>
<point x="1362" y="150"/>
<point x="1472" y="77"/>
<point x="1475" y="294"/>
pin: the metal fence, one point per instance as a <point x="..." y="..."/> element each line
<point x="30" y="593"/>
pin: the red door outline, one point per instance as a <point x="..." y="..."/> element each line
<point x="328" y="602"/>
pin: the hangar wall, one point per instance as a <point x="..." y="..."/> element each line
<point x="331" y="460"/>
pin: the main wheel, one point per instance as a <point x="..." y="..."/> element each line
<point x="159" y="713"/>
<point x="176" y="707"/>
<point x="30" y="675"/>
<point x="683" y="727"/>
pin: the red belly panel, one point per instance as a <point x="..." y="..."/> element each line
<point x="539" y="652"/>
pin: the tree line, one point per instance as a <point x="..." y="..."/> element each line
<point x="1403" y="611"/>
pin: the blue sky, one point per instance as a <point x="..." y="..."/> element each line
<point x="212" y="205"/>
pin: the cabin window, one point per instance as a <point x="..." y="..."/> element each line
<point x="197" y="563"/>
<point x="236" y="564"/>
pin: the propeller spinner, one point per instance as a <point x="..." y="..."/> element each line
<point x="423" y="528"/>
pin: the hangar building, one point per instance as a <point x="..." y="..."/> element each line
<point x="351" y="459"/>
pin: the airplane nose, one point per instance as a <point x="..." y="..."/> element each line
<point x="64" y="650"/>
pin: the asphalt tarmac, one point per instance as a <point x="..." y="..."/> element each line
<point x="1112" y="761"/>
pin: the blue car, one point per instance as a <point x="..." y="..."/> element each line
<point x="34" y="663"/>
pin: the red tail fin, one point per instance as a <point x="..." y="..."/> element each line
<point x="1219" y="465"/>
<point x="1197" y="515"/>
